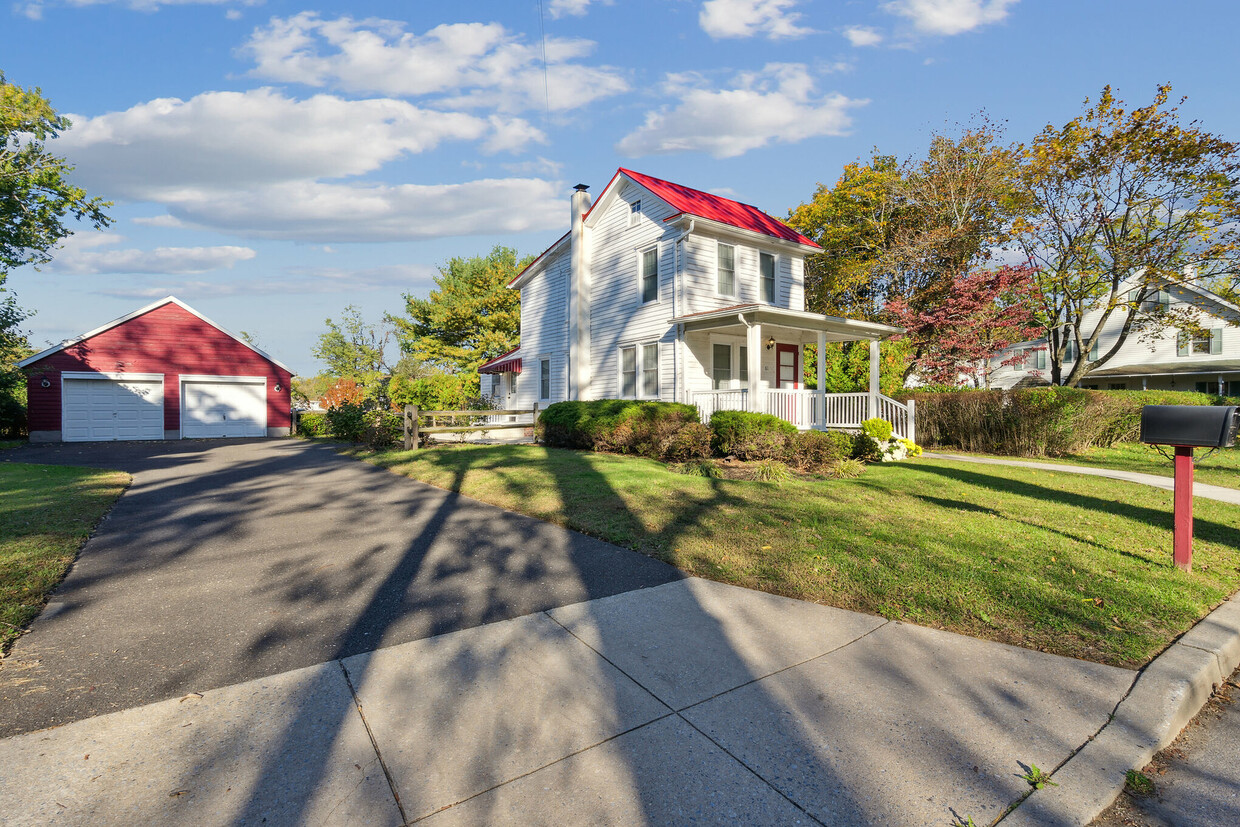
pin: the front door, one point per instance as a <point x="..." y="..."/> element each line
<point x="787" y="367"/>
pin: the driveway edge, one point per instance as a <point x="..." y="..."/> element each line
<point x="1168" y="693"/>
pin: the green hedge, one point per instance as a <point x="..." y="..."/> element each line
<point x="622" y="426"/>
<point x="313" y="424"/>
<point x="353" y="423"/>
<point x="1050" y="421"/>
<point x="750" y="436"/>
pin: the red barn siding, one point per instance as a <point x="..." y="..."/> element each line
<point x="167" y="340"/>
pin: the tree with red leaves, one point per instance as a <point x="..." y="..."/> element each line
<point x="981" y="314"/>
<point x="345" y="391"/>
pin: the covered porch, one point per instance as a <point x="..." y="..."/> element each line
<point x="749" y="358"/>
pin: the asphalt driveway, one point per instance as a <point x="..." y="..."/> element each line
<point x="232" y="560"/>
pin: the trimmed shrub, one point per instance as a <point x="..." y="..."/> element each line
<point x="691" y="442"/>
<point x="313" y="424"/>
<point x="621" y="426"/>
<point x="1050" y="421"/>
<point x="817" y="451"/>
<point x="878" y="428"/>
<point x="750" y="436"/>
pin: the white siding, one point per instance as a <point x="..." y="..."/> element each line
<point x="1139" y="352"/>
<point x="544" y="332"/>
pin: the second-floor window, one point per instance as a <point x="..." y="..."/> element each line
<point x="650" y="274"/>
<point x="1201" y="343"/>
<point x="766" y="267"/>
<point x="727" y="270"/>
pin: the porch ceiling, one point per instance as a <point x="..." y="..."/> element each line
<point x="798" y="324"/>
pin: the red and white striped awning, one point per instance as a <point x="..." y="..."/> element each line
<point x="505" y="363"/>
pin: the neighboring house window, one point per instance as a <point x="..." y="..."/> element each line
<point x="1069" y="353"/>
<point x="1207" y="342"/>
<point x="1158" y="301"/>
<point x="721" y="366"/>
<point x="544" y="379"/>
<point x="635" y="213"/>
<point x="1093" y="350"/>
<point x="766" y="267"/>
<point x="650" y="274"/>
<point x="727" y="270"/>
<point x="1118" y="386"/>
<point x="639" y="371"/>
<point x="1039" y="358"/>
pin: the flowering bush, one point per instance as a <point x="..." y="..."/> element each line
<point x="876" y="443"/>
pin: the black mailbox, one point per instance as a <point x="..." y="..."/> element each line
<point x="1199" y="426"/>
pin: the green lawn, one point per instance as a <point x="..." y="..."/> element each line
<point x="1071" y="564"/>
<point x="46" y="513"/>
<point x="11" y="443"/>
<point x="1220" y="468"/>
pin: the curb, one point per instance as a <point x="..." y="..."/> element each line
<point x="1168" y="693"/>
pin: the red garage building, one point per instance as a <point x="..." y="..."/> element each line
<point x="162" y="372"/>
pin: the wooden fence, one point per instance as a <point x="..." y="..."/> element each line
<point x="413" y="430"/>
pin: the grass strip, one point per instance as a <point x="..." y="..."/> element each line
<point x="1071" y="564"/>
<point x="46" y="513"/>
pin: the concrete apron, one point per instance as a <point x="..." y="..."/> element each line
<point x="687" y="702"/>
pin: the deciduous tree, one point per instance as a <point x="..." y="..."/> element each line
<point x="1125" y="203"/>
<point x="356" y="350"/>
<point x="35" y="194"/>
<point x="982" y="314"/>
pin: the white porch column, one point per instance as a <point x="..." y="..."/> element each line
<point x="822" y="379"/>
<point x="753" y="344"/>
<point x="874" y="387"/>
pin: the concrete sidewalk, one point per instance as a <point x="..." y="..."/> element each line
<point x="689" y="702"/>
<point x="1209" y="492"/>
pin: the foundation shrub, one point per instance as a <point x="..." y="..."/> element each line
<point x="691" y="442"/>
<point x="750" y="436"/>
<point x="622" y="426"/>
<point x="817" y="451"/>
<point x="1048" y="421"/>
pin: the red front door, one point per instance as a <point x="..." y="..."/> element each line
<point x="787" y="366"/>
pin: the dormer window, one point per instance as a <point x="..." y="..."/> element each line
<point x="635" y="213"/>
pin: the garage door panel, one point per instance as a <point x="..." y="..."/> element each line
<point x="213" y="409"/>
<point x="102" y="410"/>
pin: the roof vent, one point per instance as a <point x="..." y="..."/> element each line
<point x="582" y="187"/>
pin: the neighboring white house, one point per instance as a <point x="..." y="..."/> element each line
<point x="1170" y="360"/>
<point x="659" y="291"/>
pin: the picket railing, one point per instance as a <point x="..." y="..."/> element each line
<point x="802" y="408"/>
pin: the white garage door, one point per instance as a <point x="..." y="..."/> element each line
<point x="100" y="410"/>
<point x="223" y="408"/>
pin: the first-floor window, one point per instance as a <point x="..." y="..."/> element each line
<point x="544" y="379"/>
<point x="639" y="371"/>
<point x="744" y="366"/>
<point x="721" y="366"/>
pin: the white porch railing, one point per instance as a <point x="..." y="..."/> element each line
<point x="801" y="408"/>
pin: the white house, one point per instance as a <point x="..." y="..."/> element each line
<point x="659" y="291"/>
<point x="1169" y="360"/>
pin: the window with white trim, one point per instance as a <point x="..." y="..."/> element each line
<point x="721" y="366"/>
<point x="1199" y="343"/>
<point x="639" y="371"/>
<point x="544" y="378"/>
<point x="727" y="270"/>
<point x="743" y="366"/>
<point x="635" y="213"/>
<point x="649" y="262"/>
<point x="766" y="277"/>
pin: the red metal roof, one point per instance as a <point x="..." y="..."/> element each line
<point x="504" y="363"/>
<point x="717" y="208"/>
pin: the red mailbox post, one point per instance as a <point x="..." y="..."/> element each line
<point x="1185" y="427"/>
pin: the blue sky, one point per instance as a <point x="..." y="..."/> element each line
<point x="272" y="162"/>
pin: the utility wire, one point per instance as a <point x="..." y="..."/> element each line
<point x="542" y="27"/>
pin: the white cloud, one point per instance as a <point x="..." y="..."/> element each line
<point x="155" y="149"/>
<point x="154" y="5"/>
<point x="777" y="104"/>
<point x="863" y="36"/>
<point x="260" y="164"/>
<point x="948" y="17"/>
<point x="330" y="212"/>
<point x="749" y="18"/>
<point x="80" y="254"/>
<point x="575" y="8"/>
<point x="292" y="281"/>
<point x="473" y="64"/>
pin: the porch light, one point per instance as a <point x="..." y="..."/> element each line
<point x="277" y="387"/>
<point x="47" y="383"/>
<point x="770" y="343"/>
